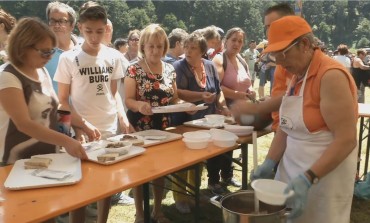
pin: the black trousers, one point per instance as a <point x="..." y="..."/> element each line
<point x="220" y="166"/>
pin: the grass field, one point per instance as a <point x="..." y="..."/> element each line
<point x="211" y="214"/>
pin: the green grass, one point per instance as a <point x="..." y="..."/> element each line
<point x="210" y="214"/>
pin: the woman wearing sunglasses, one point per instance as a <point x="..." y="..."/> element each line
<point x="316" y="140"/>
<point x="132" y="54"/>
<point x="28" y="103"/>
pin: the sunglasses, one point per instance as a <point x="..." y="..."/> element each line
<point x="61" y="22"/>
<point x="136" y="40"/>
<point x="45" y="53"/>
<point x="281" y="54"/>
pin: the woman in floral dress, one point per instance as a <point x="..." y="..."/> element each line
<point x="150" y="83"/>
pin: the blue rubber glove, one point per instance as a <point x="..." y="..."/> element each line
<point x="297" y="202"/>
<point x="264" y="171"/>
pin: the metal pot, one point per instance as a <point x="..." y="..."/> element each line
<point x="238" y="207"/>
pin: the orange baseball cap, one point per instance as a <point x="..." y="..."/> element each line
<point x="284" y="31"/>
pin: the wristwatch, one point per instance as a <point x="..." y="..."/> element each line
<point x="313" y="176"/>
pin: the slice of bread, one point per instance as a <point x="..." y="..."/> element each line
<point x="107" y="157"/>
<point x="37" y="162"/>
<point x="27" y="167"/>
<point x="135" y="140"/>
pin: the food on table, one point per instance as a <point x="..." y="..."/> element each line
<point x="155" y="137"/>
<point x="115" y="145"/>
<point x="37" y="163"/>
<point x="107" y="157"/>
<point x="135" y="140"/>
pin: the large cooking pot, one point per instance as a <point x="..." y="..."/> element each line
<point x="238" y="207"/>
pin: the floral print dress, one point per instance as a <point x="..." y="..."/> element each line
<point x="157" y="90"/>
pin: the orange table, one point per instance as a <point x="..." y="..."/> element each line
<point x="363" y="112"/>
<point x="98" y="181"/>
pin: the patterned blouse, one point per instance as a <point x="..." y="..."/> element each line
<point x="155" y="89"/>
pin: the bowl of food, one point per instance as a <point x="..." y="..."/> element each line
<point x="239" y="130"/>
<point x="118" y="147"/>
<point x="223" y="138"/>
<point x="215" y="120"/>
<point x="196" y="139"/>
<point x="271" y="191"/>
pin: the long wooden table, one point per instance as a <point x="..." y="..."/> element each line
<point x="363" y="112"/>
<point x="98" y="181"/>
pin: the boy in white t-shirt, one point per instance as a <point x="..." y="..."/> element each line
<point x="87" y="79"/>
<point x="87" y="76"/>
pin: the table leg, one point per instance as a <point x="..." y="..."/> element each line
<point x="244" y="151"/>
<point x="146" y="202"/>
<point x="367" y="150"/>
<point x="360" y="143"/>
<point x="197" y="191"/>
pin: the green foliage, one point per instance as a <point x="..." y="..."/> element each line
<point x="170" y="22"/>
<point x="334" y="22"/>
<point x="363" y="42"/>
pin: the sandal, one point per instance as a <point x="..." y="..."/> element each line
<point x="160" y="219"/>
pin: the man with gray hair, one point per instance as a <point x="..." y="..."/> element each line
<point x="176" y="38"/>
<point x="62" y="20"/>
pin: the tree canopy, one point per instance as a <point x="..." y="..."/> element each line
<point x="333" y="22"/>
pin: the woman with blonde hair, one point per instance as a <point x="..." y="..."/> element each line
<point x="150" y="82"/>
<point x="132" y="54"/>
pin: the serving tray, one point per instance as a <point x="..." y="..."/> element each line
<point x="20" y="178"/>
<point x="132" y="152"/>
<point x="151" y="137"/>
<point x="179" y="108"/>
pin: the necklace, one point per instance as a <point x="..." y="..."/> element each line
<point x="151" y="72"/>
<point x="202" y="82"/>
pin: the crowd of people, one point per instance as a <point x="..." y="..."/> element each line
<point x="111" y="88"/>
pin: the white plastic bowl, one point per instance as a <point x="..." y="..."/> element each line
<point x="197" y="135"/>
<point x="239" y="130"/>
<point x="223" y="138"/>
<point x="271" y="191"/>
<point x="196" y="143"/>
<point x="120" y="147"/>
<point x="215" y="119"/>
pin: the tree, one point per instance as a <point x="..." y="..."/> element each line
<point x="170" y="22"/>
<point x="363" y="43"/>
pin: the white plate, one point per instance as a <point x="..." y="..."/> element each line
<point x="179" y="108"/>
<point x="132" y="152"/>
<point x="239" y="130"/>
<point x="202" y="123"/>
<point x="20" y="178"/>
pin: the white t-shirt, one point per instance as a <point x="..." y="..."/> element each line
<point x="90" y="79"/>
<point x="251" y="58"/>
<point x="343" y="60"/>
<point x="42" y="104"/>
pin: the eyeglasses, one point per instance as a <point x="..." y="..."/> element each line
<point x="134" y="39"/>
<point x="61" y="22"/>
<point x="281" y="54"/>
<point x="45" y="53"/>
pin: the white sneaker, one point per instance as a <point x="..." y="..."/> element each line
<point x="125" y="200"/>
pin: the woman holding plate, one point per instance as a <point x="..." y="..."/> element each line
<point x="150" y="83"/>
<point x="198" y="82"/>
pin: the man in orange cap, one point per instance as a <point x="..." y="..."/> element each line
<point x="316" y="139"/>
